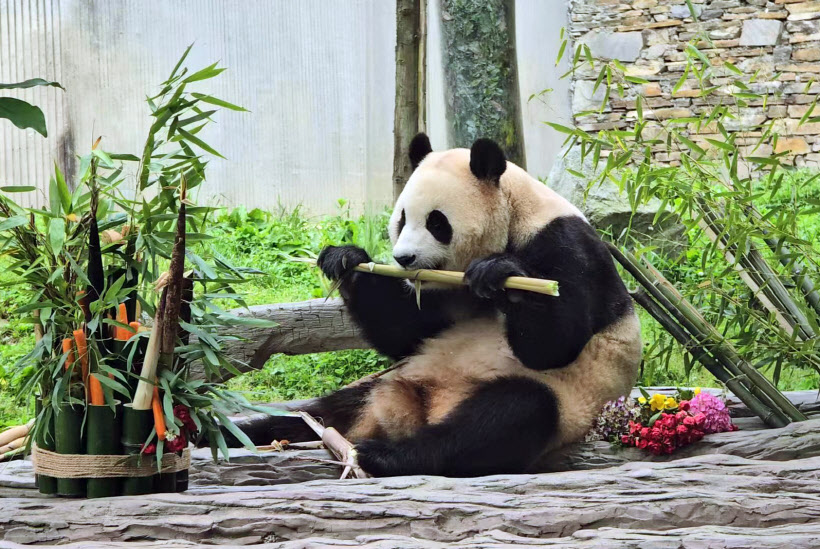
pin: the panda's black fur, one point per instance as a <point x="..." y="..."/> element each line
<point x="489" y="375"/>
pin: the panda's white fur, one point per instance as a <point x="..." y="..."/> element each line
<point x="488" y="380"/>
<point x="484" y="218"/>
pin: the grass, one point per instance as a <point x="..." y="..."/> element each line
<point x="263" y="241"/>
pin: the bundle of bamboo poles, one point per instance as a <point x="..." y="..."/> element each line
<point x="706" y="344"/>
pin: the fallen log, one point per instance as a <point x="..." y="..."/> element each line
<point x="312" y="326"/>
<point x="640" y="499"/>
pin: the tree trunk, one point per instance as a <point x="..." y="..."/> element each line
<point x="481" y="75"/>
<point x="406" y="110"/>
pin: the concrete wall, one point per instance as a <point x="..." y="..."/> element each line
<point x="317" y="76"/>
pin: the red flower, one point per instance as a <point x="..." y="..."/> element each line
<point x="669" y="449"/>
<point x="683" y="405"/>
<point x="149" y="449"/>
<point x="642" y="443"/>
<point x="645" y="432"/>
<point x="625" y="439"/>
<point x="184" y="415"/>
<point x="680" y="416"/>
<point x="700" y="420"/>
<point x="177" y="444"/>
<point x="689" y="421"/>
<point x="654" y="447"/>
<point x="634" y="428"/>
<point x="654" y="434"/>
<point x="682" y="431"/>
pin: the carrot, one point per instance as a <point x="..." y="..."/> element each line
<point x="136" y="327"/>
<point x="82" y="351"/>
<point x="159" y="417"/>
<point x="122" y="317"/>
<point x="68" y="347"/>
<point x="96" y="390"/>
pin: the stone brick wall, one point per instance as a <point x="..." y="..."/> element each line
<point x="649" y="37"/>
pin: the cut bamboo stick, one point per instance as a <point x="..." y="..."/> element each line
<point x="770" y="416"/>
<point x="686" y="314"/>
<point x="145" y="388"/>
<point x="337" y="444"/>
<point x="537" y="285"/>
<point x="13" y="433"/>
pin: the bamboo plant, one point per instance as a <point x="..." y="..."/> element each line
<point x="758" y="272"/>
<point x="90" y="261"/>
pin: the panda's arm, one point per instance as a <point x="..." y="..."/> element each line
<point x="545" y="331"/>
<point x="384" y="308"/>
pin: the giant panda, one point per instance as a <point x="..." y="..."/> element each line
<point x="488" y="379"/>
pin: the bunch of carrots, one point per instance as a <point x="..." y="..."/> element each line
<point x="93" y="388"/>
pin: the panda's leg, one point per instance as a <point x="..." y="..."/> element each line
<point x="501" y="428"/>
<point x="339" y="409"/>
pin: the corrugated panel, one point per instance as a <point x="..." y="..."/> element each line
<point x="318" y="77"/>
<point x="30" y="47"/>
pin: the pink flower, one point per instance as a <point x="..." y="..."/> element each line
<point x="716" y="417"/>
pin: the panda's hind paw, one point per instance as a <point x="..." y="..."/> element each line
<point x="338" y="261"/>
<point x="378" y="457"/>
<point x="486" y="276"/>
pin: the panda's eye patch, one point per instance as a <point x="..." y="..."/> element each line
<point x="439" y="227"/>
<point x="402" y="222"/>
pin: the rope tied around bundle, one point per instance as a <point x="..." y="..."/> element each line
<point x="57" y="465"/>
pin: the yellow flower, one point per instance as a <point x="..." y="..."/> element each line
<point x="670" y="403"/>
<point x="72" y="217"/>
<point x="697" y="390"/>
<point x="657" y="402"/>
<point x="642" y="400"/>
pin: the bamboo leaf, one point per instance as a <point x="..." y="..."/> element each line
<point x="23" y="115"/>
<point x="198" y="142"/>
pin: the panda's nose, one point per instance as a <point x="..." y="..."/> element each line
<point x="404" y="260"/>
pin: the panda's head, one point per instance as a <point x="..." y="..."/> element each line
<point x="452" y="209"/>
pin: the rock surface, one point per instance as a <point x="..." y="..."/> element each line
<point x="604" y="205"/>
<point x="639" y="498"/>
<point x="750" y="488"/>
<point x="762" y="38"/>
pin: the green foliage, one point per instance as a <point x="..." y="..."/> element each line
<point x="21" y="113"/>
<point x="750" y="221"/>
<point x="54" y="256"/>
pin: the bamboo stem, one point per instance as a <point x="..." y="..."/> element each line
<point x="797" y="268"/>
<point x="537" y="285"/>
<point x="760" y="277"/>
<point x="337" y="444"/>
<point x="660" y="288"/>
<point x="14" y="433"/>
<point x="770" y="416"/>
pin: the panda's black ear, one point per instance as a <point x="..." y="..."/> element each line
<point x="487" y="160"/>
<point x="419" y="148"/>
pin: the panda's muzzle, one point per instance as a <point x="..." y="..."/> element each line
<point x="405" y="260"/>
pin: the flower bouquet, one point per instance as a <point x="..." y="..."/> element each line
<point x="662" y="424"/>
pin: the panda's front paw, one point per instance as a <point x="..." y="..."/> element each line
<point x="486" y="276"/>
<point x="378" y="457"/>
<point x="338" y="261"/>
